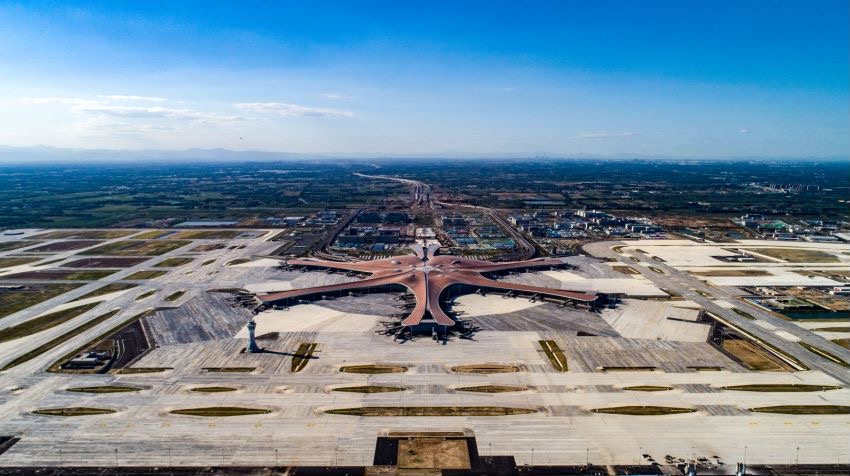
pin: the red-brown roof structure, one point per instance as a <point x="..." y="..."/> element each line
<point x="427" y="275"/>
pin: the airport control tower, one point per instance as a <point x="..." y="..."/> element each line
<point x="252" y="341"/>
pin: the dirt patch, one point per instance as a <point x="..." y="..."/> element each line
<point x="797" y="255"/>
<point x="754" y="357"/>
<point x="433" y="453"/>
<point x="124" y="262"/>
<point x="485" y="369"/>
<point x="431" y="411"/>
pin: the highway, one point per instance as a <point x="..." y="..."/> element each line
<point x="420" y="197"/>
<point x="420" y="192"/>
<point x="707" y="296"/>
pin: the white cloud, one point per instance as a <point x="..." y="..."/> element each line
<point x="105" y="108"/>
<point x="154" y="112"/>
<point x="58" y="100"/>
<point x="605" y="135"/>
<point x="294" y="110"/>
<point x="744" y="131"/>
<point x="121" y="97"/>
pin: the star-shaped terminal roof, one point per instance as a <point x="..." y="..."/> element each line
<point x="427" y="276"/>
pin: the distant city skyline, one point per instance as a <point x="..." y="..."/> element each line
<point x="649" y="78"/>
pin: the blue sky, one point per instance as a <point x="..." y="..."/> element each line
<point x="679" y="78"/>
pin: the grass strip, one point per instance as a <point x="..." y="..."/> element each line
<point x="627" y="369"/>
<point x="56" y="367"/>
<point x="73" y="411"/>
<point x="42" y="323"/>
<point x="16" y="300"/>
<point x="647" y="388"/>
<point x="302" y="356"/>
<point x="230" y="369"/>
<point x="430" y="411"/>
<point x="743" y="314"/>
<point x="146" y="294"/>
<point x="555" y="354"/>
<point x="105" y="389"/>
<point x="641" y="410"/>
<point x="485" y="369"/>
<point x="213" y="389"/>
<point x="141" y="370"/>
<point x="369" y="389"/>
<point x="373" y="369"/>
<point x="221" y="411"/>
<point x="492" y="388"/>
<point x="61" y="340"/>
<point x="804" y="409"/>
<point x="175" y="295"/>
<point x="779" y="387"/>
<point x="146" y="274"/>
<point x="826" y="355"/>
<point x="108" y="289"/>
<point x="173" y="262"/>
